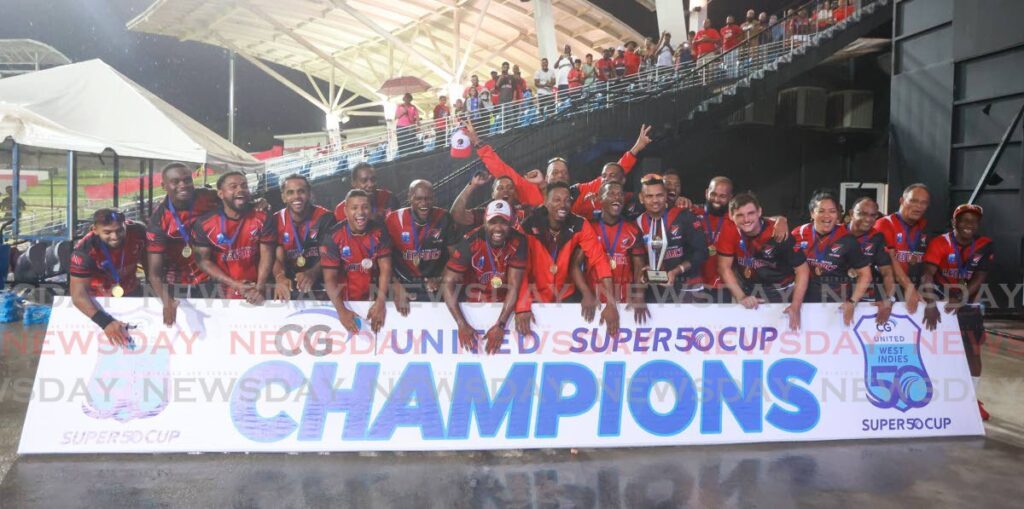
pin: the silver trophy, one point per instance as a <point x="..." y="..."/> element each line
<point x="656" y="248"/>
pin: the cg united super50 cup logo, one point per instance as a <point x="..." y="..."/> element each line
<point x="894" y="371"/>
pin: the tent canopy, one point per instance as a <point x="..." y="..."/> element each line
<point x="90" y="107"/>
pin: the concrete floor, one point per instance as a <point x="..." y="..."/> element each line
<point x="981" y="472"/>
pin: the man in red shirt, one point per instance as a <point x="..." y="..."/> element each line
<point x="633" y="59"/>
<point x="356" y="253"/>
<point x="474" y="82"/>
<point x="364" y="177"/>
<point x="103" y="264"/>
<point x="422" y="236"/>
<point x="732" y="36"/>
<point x="488" y="266"/>
<point x="905" y="240"/>
<point x="299" y="225"/>
<point x="757" y="267"/>
<point x="956" y="265"/>
<point x="706" y="42"/>
<point x="605" y="66"/>
<point x="554" y="233"/>
<point x="863" y="216"/>
<point x="235" y="245"/>
<point x="169" y="244"/>
<point x="502" y="189"/>
<point x="622" y="245"/>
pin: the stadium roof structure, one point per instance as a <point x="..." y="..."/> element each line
<point x="356" y="45"/>
<point x="20" y="56"/>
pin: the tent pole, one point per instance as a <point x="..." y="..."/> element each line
<point x="231" y="97"/>
<point x="15" y="185"/>
<point x="142" y="188"/>
<point x="117" y="180"/>
<point x="149" y="212"/>
<point x="72" y="197"/>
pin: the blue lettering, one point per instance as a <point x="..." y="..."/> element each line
<point x="415" y="386"/>
<point x="610" y="419"/>
<point x="723" y="344"/>
<point x="471" y="398"/>
<point x="553" y="406"/>
<point x="808" y="411"/>
<point x="577" y="338"/>
<point x="324" y="399"/>
<point x="435" y="341"/>
<point x="244" y="414"/>
<point x="640" y="387"/>
<point x="745" y="406"/>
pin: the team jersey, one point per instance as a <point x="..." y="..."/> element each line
<point x="106" y="267"/>
<point x="907" y="241"/>
<point x="761" y="260"/>
<point x="302" y="238"/>
<point x="620" y="243"/>
<point x="235" y="244"/>
<point x="355" y="257"/>
<point x="381" y="204"/>
<point x="166" y="233"/>
<point x="484" y="268"/>
<point x="833" y="258"/>
<point x="872" y="244"/>
<point x="685" y="242"/>
<point x="957" y="264"/>
<point x="713" y="226"/>
<point x="551" y="254"/>
<point x="632" y="208"/>
<point x="420" y="250"/>
<point x="589" y="206"/>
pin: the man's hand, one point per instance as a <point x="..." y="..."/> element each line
<point x="913" y="298"/>
<point x="589" y="305"/>
<point x="640" y="312"/>
<point x="479" y="179"/>
<point x="884" y="311"/>
<point x="261" y="204"/>
<point x="683" y="202"/>
<point x="672" y="275"/>
<point x="750" y="302"/>
<point x="401" y="300"/>
<point x="523" y="322"/>
<point x="847" y="308"/>
<point x="793" y="312"/>
<point x="283" y="289"/>
<point x="952" y="307"/>
<point x="642" y="140"/>
<point x="170" y="312"/>
<point x="467" y="337"/>
<point x="376" y="315"/>
<point x="433" y="284"/>
<point x="304" y="282"/>
<point x="474" y="139"/>
<point x="781" y="229"/>
<point x="610" y="319"/>
<point x="116" y="333"/>
<point x="494" y="337"/>
<point x="347" y="317"/>
<point x="932" y="317"/>
<point x="534" y="176"/>
<point x="253" y="294"/>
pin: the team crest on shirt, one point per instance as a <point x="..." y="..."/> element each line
<point x="899" y="238"/>
<point x="951" y="258"/>
<point x="674" y="231"/>
<point x="286" y="237"/>
<point x="836" y="248"/>
<point x="405" y="237"/>
<point x="478" y="263"/>
<point x="768" y="250"/>
<point x="803" y="244"/>
<point x="346" y="251"/>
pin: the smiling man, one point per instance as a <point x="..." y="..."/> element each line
<point x="684" y="249"/>
<point x="364" y="177"/>
<point x="299" y="225"/>
<point x="622" y="245"/>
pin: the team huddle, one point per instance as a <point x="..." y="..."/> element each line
<point x="539" y="239"/>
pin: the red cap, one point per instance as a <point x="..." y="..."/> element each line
<point x="461" y="147"/>
<point x="968" y="207"/>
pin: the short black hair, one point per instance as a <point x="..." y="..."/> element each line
<point x="822" y="195"/>
<point x="357" y="193"/>
<point x="103" y="217"/>
<point x="360" y="167"/>
<point x="175" y="165"/>
<point x="555" y="185"/>
<point x="742" y="200"/>
<point x="223" y="178"/>
<point x="862" y="199"/>
<point x="607" y="185"/>
<point x="296" y="176"/>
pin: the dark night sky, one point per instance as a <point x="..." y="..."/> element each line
<point x="194" y="77"/>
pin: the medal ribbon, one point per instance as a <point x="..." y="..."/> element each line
<point x="962" y="260"/>
<point x="747" y="256"/>
<point x="305" y="233"/>
<point x="819" y="254"/>
<point x="224" y="229"/>
<point x="907" y="230"/>
<point x="711" y="237"/>
<point x="116" y="274"/>
<point x="177" y="220"/>
<point x="490" y="259"/>
<point x="610" y="249"/>
<point x="417" y="241"/>
<point x="373" y="244"/>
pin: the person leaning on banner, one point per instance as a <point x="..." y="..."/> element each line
<point x="488" y="265"/>
<point x="676" y="250"/>
<point x="169" y="243"/>
<point x="554" y="234"/>
<point x="956" y="266"/>
<point x="104" y="264"/>
<point x="906" y="238"/>
<point x="364" y="176"/>
<point x="422" y="237"/>
<point x="354" y="255"/>
<point x="502" y="188"/>
<point x="834" y="255"/>
<point x="755" y="266"/>
<point x="299" y="226"/>
<point x="863" y="216"/>
<point x="236" y="244"/>
<point x="622" y="246"/>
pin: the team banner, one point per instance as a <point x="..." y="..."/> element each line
<point x="286" y="377"/>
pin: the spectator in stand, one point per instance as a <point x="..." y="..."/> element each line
<point x="460" y="107"/>
<point x="487" y="109"/>
<point x="474" y="84"/>
<point x="764" y="35"/>
<point x="778" y="30"/>
<point x="732" y="36"/>
<point x="706" y="43"/>
<point x="648" y="55"/>
<point x="407" y="117"/>
<point x="519" y="82"/>
<point x="589" y="71"/>
<point x="544" y="80"/>
<point x="505" y="86"/>
<point x="823" y="18"/>
<point x="750" y="30"/>
<point x="664" y="54"/>
<point x="842" y="11"/>
<point x="803" y="24"/>
<point x="441" y="113"/>
<point x="606" y="65"/>
<point x="576" y="74"/>
<point x="529" y="107"/>
<point x="563" y="65"/>
<point x="473" y="105"/>
<point x="684" y="55"/>
<point x="632" y="58"/>
<point x="619" y="63"/>
<point x="492" y="87"/>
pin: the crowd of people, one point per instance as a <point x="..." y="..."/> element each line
<point x="539" y="238"/>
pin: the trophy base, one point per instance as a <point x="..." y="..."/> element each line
<point x="657" y="277"/>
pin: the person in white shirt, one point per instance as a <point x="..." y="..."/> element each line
<point x="563" y="65"/>
<point x="664" y="53"/>
<point x="544" y="80"/>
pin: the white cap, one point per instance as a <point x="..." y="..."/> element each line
<point x="461" y="147"/>
<point x="498" y="208"/>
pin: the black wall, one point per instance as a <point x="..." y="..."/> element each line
<point x="958" y="79"/>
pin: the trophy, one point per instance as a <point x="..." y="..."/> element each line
<point x="656" y="248"/>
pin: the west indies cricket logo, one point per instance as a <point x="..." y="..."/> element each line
<point x="894" y="371"/>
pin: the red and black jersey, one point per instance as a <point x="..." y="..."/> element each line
<point x="302" y="237"/>
<point x="833" y="258"/>
<point x="355" y="257"/>
<point x="166" y="233"/>
<point x="590" y="209"/>
<point x="382" y="203"/>
<point x="620" y="242"/>
<point x="479" y="263"/>
<point x="872" y="244"/>
<point x="908" y="241"/>
<point x="760" y="260"/>
<point x="958" y="263"/>
<point x="713" y="226"/>
<point x="420" y="250"/>
<point x="551" y="254"/>
<point x="106" y="267"/>
<point x="685" y="241"/>
<point x="632" y="209"/>
<point x="517" y="220"/>
<point x="235" y="243"/>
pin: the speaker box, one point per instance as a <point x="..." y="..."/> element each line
<point x="851" y="109"/>
<point x="803" y="106"/>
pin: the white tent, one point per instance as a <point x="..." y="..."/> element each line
<point x="90" y="107"/>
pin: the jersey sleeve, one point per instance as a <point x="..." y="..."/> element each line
<point x="696" y="244"/>
<point x="200" y="237"/>
<point x="638" y="248"/>
<point x="156" y="237"/>
<point x="793" y="255"/>
<point x="988" y="258"/>
<point x="529" y="194"/>
<point x="521" y="258"/>
<point x="855" y="257"/>
<point x="268" y="234"/>
<point x="596" y="256"/>
<point x="938" y="249"/>
<point x="82" y="265"/>
<point x="384" y="245"/>
<point x="449" y="234"/>
<point x="885" y="228"/>
<point x="880" y="258"/>
<point x="728" y="242"/>
<point x="324" y="225"/>
<point x="460" y="258"/>
<point x="330" y="256"/>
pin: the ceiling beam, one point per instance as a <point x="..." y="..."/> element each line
<point x="276" y="75"/>
<point x="472" y="41"/>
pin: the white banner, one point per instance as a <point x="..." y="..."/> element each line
<point x="286" y="377"/>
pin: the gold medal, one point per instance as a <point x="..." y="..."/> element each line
<point x="186" y="251"/>
<point x="554" y="268"/>
<point x="818" y="271"/>
<point x="496" y="282"/>
<point x="712" y="251"/>
<point x="748" y="272"/>
<point x="852" y="273"/>
<point x="611" y="261"/>
<point x="300" y="261"/>
<point x="416" y="259"/>
<point x="366" y="264"/>
<point x="117" y="291"/>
